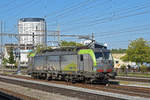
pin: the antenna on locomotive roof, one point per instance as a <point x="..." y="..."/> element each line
<point x="92" y="41"/>
<point x="92" y="36"/>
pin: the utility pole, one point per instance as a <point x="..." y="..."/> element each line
<point x="1" y="45"/>
<point x="33" y="40"/>
<point x="45" y="34"/>
<point x="58" y="34"/>
<point x="18" y="51"/>
<point x="58" y="30"/>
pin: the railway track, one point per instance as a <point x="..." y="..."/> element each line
<point x="11" y="95"/>
<point x="4" y="96"/>
<point x="124" y="92"/>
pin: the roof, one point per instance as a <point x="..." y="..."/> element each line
<point x="32" y="19"/>
<point x="57" y="53"/>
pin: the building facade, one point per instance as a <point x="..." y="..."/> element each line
<point x="24" y="52"/>
<point x="33" y="31"/>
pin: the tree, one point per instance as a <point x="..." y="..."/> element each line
<point x="138" y="51"/>
<point x="71" y="43"/>
<point x="123" y="68"/>
<point x="4" y="61"/>
<point x="11" y="57"/>
<point x="125" y="58"/>
<point x="39" y="49"/>
<point x="118" y="50"/>
<point x="143" y="68"/>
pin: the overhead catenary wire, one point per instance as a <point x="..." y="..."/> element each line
<point x="125" y="34"/>
<point x="80" y="19"/>
<point x="116" y="13"/>
<point x="111" y="33"/>
<point x="62" y="10"/>
<point x="129" y="29"/>
<point x="16" y="6"/>
<point x="74" y="5"/>
<point x="21" y="6"/>
<point x="108" y="19"/>
<point x="134" y="30"/>
<point x="71" y="9"/>
<point x="10" y="2"/>
<point x="116" y="17"/>
<point x="83" y="10"/>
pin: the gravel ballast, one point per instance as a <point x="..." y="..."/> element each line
<point x="33" y="93"/>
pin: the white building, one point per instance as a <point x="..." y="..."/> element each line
<point x="36" y="28"/>
<point x="32" y="26"/>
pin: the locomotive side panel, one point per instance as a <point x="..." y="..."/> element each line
<point x="53" y="63"/>
<point x="69" y="63"/>
<point x="88" y="67"/>
<point x="85" y="63"/>
<point x="39" y="63"/>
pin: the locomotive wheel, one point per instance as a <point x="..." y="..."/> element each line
<point x="105" y="81"/>
<point x="88" y="80"/>
<point x="73" y="80"/>
<point x="44" y="76"/>
<point x="33" y="76"/>
<point x="49" y="78"/>
<point x="67" y="78"/>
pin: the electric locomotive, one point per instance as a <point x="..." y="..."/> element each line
<point x="90" y="63"/>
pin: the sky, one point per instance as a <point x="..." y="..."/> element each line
<point x="115" y="22"/>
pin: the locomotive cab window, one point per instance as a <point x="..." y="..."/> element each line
<point x="98" y="55"/>
<point x="81" y="57"/>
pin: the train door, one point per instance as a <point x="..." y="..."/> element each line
<point x="81" y="62"/>
<point x="88" y="64"/>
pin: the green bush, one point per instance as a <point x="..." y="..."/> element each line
<point x="5" y="61"/>
<point x="144" y="68"/>
<point x="123" y="68"/>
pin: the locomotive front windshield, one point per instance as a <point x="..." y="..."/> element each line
<point x="108" y="55"/>
<point x="103" y="55"/>
<point x="99" y="55"/>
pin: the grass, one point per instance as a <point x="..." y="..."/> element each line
<point x="135" y="75"/>
<point x="124" y="82"/>
<point x="134" y="83"/>
<point x="9" y="71"/>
